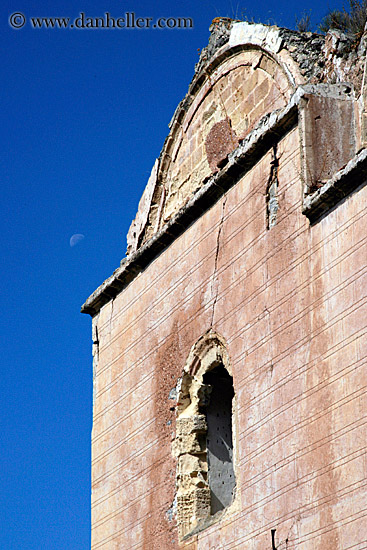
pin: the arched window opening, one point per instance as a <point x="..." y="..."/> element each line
<point x="204" y="435"/>
<point x="219" y="440"/>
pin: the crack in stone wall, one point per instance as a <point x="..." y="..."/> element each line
<point x="272" y="191"/>
<point x="95" y="352"/>
<point x="214" y="279"/>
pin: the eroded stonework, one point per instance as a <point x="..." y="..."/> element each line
<point x="246" y="72"/>
<point x="190" y="446"/>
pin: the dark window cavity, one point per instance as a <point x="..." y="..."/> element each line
<point x="219" y="443"/>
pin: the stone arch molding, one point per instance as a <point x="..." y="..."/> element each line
<point x="196" y="497"/>
<point x="247" y="78"/>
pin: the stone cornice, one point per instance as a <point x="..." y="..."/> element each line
<point x="343" y="182"/>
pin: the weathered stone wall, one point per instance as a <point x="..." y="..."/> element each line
<point x="291" y="304"/>
<point x="252" y="228"/>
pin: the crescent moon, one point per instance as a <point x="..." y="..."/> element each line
<point x="76" y="238"/>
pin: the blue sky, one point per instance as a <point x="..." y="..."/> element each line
<point x="85" y="114"/>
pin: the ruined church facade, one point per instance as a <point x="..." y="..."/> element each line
<point x="229" y="347"/>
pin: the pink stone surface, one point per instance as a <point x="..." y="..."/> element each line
<point x="291" y="303"/>
<point x="277" y="298"/>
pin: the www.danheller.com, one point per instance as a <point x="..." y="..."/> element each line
<point x="130" y="20"/>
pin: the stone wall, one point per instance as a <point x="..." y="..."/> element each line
<point x="291" y="304"/>
<point x="251" y="234"/>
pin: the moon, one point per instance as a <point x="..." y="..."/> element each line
<point x="76" y="238"/>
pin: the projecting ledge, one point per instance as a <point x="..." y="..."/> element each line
<point x="343" y="182"/>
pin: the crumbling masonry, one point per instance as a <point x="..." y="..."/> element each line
<point x="230" y="345"/>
